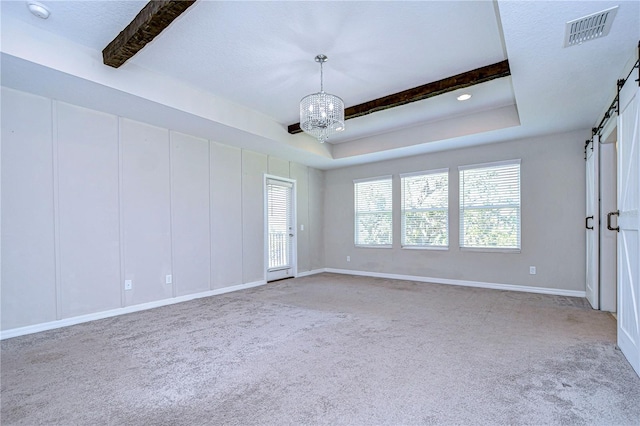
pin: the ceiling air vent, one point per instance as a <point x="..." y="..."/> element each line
<point x="589" y="27"/>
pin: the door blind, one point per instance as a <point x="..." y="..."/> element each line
<point x="279" y="223"/>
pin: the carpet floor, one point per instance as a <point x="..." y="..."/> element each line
<point x="329" y="350"/>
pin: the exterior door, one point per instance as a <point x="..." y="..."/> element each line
<point x="591" y="223"/>
<point x="629" y="224"/>
<point x="280" y="227"/>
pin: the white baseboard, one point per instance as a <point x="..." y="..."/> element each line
<point x="21" y="331"/>
<point x="15" y="332"/>
<point x="511" y="287"/>
<point x="313" y="272"/>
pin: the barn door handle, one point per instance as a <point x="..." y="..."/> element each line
<point x="617" y="228"/>
<point x="586" y="222"/>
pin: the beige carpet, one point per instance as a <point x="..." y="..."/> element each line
<point x="329" y="349"/>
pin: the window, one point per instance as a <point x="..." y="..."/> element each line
<point x="373" y="212"/>
<point x="425" y="209"/>
<point x="490" y="206"/>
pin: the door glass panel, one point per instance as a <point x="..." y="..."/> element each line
<point x="279" y="224"/>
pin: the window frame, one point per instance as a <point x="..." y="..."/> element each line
<point x="356" y="213"/>
<point x="402" y="210"/>
<point x="461" y="207"/>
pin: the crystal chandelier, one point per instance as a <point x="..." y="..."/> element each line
<point x="321" y="114"/>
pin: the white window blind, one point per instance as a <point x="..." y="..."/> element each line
<point x="425" y="209"/>
<point x="279" y="223"/>
<point x="373" y="207"/>
<point x="490" y="206"/>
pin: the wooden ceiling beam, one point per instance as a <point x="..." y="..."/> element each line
<point x="429" y="90"/>
<point x="151" y="21"/>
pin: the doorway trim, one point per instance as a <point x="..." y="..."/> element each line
<point x="592" y="221"/>
<point x="294" y="226"/>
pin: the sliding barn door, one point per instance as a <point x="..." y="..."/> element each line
<point x="591" y="223"/>
<point x="280" y="229"/>
<point x="629" y="224"/>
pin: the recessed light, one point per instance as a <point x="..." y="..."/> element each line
<point x="464" y="97"/>
<point x="38" y="9"/>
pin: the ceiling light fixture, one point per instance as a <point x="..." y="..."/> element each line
<point x="321" y="114"/>
<point x="38" y="9"/>
<point x="464" y="97"/>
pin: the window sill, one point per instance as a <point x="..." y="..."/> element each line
<point x="438" y="248"/>
<point x="374" y="247"/>
<point x="491" y="249"/>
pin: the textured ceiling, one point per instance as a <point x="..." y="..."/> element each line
<point x="258" y="57"/>
<point x="90" y="23"/>
<point x="261" y="54"/>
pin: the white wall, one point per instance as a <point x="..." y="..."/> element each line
<point x="88" y="253"/>
<point x="146" y="211"/>
<point x="90" y="199"/>
<point x="316" y="231"/>
<point x="254" y="166"/>
<point x="226" y="209"/>
<point x="28" y="244"/>
<point x="553" y="198"/>
<point x="190" y="226"/>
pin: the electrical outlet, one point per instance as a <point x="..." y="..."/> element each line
<point x="128" y="284"/>
<point x="168" y="279"/>
<point x="348" y="258"/>
<point x="532" y="270"/>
